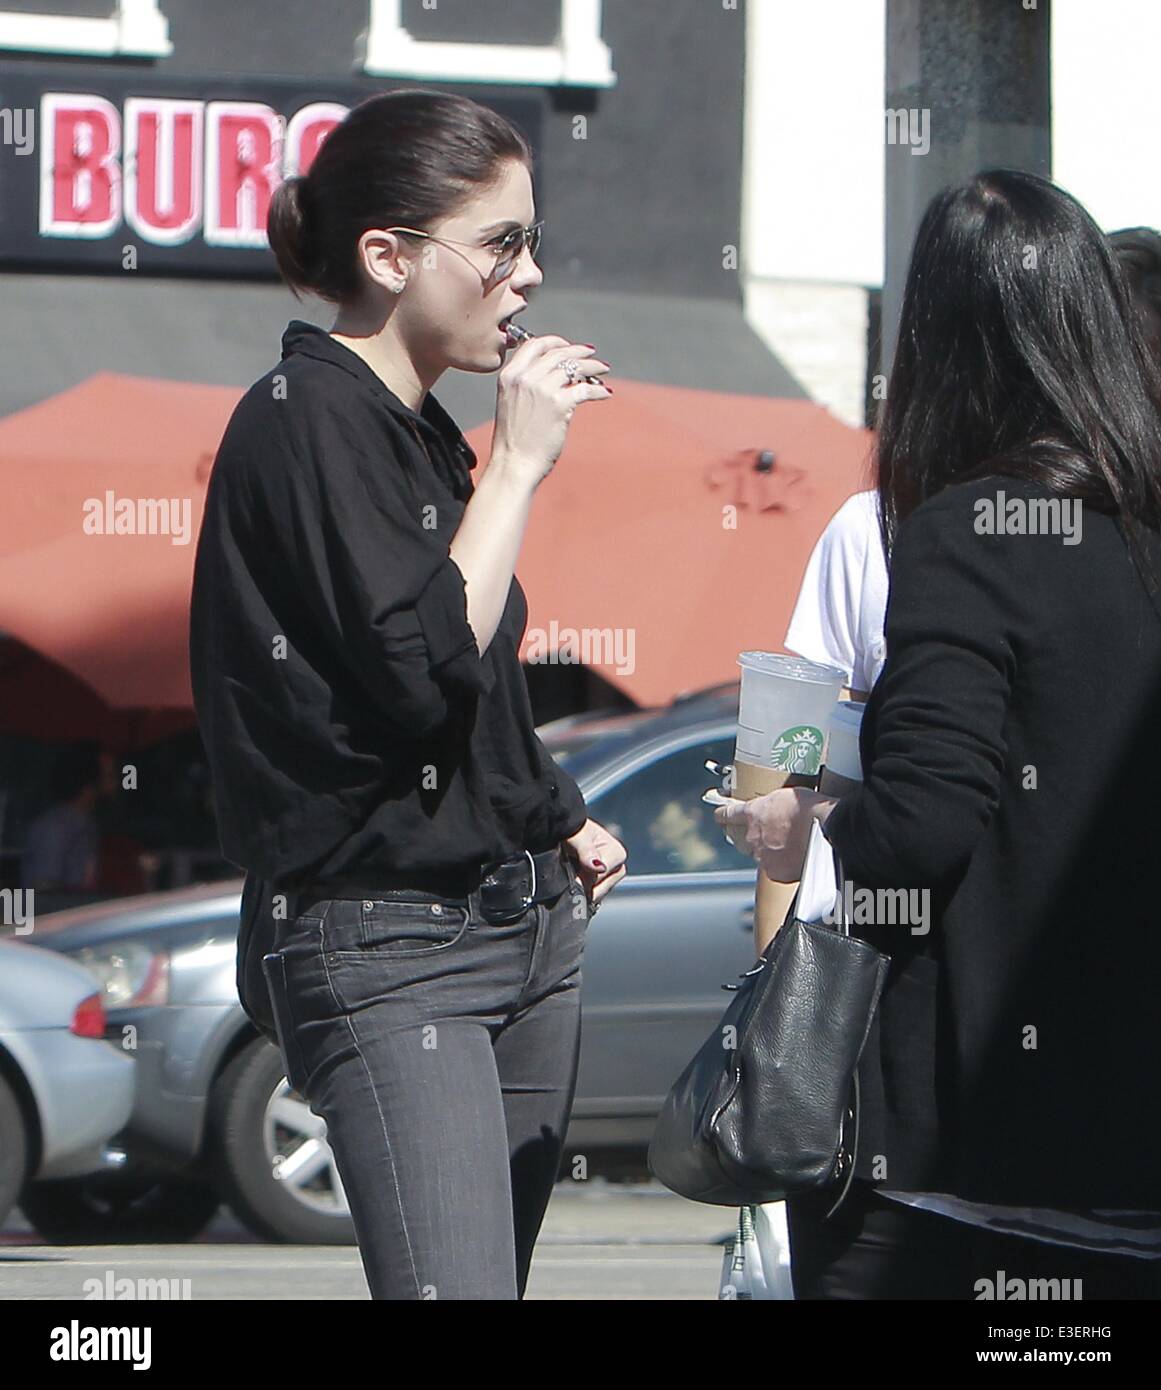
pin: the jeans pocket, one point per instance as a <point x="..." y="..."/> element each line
<point x="274" y="968"/>
<point x="394" y="928"/>
<point x="582" y="907"/>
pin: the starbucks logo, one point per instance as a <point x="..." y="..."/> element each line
<point x="798" y="750"/>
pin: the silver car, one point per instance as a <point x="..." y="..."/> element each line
<point x="214" y="1113"/>
<point x="65" y="1090"/>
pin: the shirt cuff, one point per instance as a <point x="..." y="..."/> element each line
<point x="836" y="830"/>
<point x="832" y="824"/>
<point x="442" y="610"/>
<point x="574" y="812"/>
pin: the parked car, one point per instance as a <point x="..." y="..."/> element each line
<point x="212" y="1099"/>
<point x="64" y="1090"/>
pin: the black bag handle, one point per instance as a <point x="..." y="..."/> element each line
<point x="844" y="929"/>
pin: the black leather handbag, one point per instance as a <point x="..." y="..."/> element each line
<point x="768" y="1108"/>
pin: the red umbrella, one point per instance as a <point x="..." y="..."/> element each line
<point x="678" y="520"/>
<point x="104" y="493"/>
<point x="674" y="531"/>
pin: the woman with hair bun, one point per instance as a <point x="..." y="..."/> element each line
<point x="420" y="873"/>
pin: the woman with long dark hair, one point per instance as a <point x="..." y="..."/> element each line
<point x="1011" y="750"/>
<point x="424" y="870"/>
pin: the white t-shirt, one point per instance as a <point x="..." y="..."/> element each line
<point x="838" y="618"/>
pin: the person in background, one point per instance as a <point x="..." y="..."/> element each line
<point x="838" y="618"/>
<point x="60" y="853"/>
<point x="841" y="609"/>
<point x="1138" y="251"/>
<point x="838" y="621"/>
<point x="1011" y="757"/>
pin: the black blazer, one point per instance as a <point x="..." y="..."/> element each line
<point x="1012" y="756"/>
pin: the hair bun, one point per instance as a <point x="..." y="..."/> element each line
<point x="290" y="231"/>
<point x="303" y="193"/>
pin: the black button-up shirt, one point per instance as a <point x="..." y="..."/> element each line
<point x="354" y="731"/>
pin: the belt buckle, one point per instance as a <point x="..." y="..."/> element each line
<point x="526" y="899"/>
<point x="532" y="895"/>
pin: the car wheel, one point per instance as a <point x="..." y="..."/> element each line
<point x="13" y="1149"/>
<point x="271" y="1156"/>
<point x="134" y="1207"/>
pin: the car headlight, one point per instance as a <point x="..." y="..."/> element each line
<point x="131" y="974"/>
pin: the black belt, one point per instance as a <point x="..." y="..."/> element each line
<point x="507" y="889"/>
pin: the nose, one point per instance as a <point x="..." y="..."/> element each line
<point x="527" y="273"/>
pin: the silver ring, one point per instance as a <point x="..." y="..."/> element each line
<point x="570" y="367"/>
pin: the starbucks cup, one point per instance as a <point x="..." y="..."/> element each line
<point x="844" y="769"/>
<point x="783" y="709"/>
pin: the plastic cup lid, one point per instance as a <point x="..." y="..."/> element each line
<point x="791" y="667"/>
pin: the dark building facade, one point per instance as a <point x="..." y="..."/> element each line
<point x="150" y="166"/>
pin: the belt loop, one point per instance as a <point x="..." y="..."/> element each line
<point x="532" y="892"/>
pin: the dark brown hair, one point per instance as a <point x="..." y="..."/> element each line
<point x="1138" y="252"/>
<point x="404" y="158"/>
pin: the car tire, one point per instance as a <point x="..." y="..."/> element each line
<point x="14" y="1158"/>
<point x="257" y="1125"/>
<point x="136" y="1207"/>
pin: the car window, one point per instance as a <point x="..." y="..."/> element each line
<point x="658" y="815"/>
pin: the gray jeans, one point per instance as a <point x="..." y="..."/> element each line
<point x="441" y="1050"/>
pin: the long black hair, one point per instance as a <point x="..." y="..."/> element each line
<point x="1020" y="353"/>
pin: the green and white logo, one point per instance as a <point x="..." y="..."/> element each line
<point x="798" y="750"/>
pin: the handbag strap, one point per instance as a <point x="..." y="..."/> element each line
<point x="854" y="1151"/>
<point x="844" y="926"/>
<point x="841" y="917"/>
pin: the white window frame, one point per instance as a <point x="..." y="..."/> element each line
<point x="135" y="28"/>
<point x="578" y="58"/>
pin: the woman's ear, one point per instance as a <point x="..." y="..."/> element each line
<point x="381" y="254"/>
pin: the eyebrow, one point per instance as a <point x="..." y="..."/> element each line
<point x="509" y="225"/>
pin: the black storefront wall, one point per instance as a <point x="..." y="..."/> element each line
<point x="639" y="182"/>
<point x="172" y="173"/>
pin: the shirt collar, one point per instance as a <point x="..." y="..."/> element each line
<point x="310" y="340"/>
